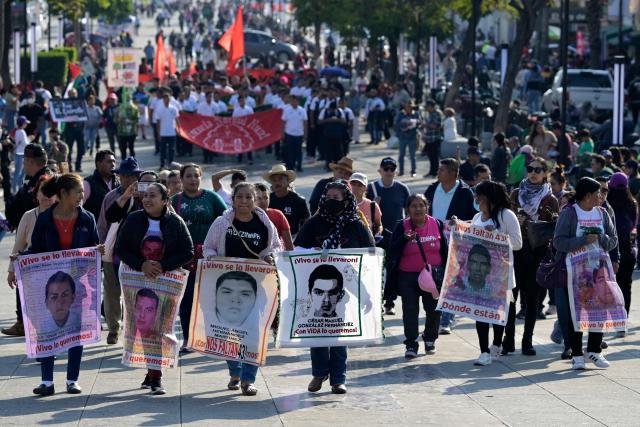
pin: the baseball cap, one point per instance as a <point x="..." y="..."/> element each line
<point x="606" y="153"/>
<point x="388" y="161"/>
<point x="360" y="177"/>
<point x="21" y="120"/>
<point x="618" y="180"/>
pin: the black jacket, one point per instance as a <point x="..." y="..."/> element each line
<point x="45" y="237"/>
<point x="316" y="230"/>
<point x="178" y="247"/>
<point x="24" y="200"/>
<point x="461" y="204"/>
<point x="99" y="189"/>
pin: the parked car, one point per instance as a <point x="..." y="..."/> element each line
<point x="257" y="43"/>
<point x="595" y="86"/>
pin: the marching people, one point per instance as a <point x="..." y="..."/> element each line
<point x="432" y="136"/>
<point x="495" y="214"/>
<point x="199" y="208"/>
<point x="100" y="182"/>
<point x="417" y="242"/>
<point x="285" y="199"/>
<point x="159" y="221"/>
<point x="625" y="209"/>
<point x="406" y="126"/>
<point x="165" y="117"/>
<point x="277" y="217"/>
<point x="243" y="231"/>
<point x="369" y="208"/>
<point x="336" y="224"/>
<point x="295" y="132"/>
<point x="242" y="109"/>
<point x="65" y="225"/>
<point x="127" y="118"/>
<point x="581" y="224"/>
<point x="449" y="197"/>
<point x="21" y="243"/>
<point x="342" y="169"/>
<point x="533" y="200"/>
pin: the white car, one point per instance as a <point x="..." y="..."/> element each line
<point x="595" y="86"/>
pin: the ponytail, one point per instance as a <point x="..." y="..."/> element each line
<point x="58" y="183"/>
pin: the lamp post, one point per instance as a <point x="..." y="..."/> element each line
<point x="433" y="81"/>
<point x="620" y="22"/>
<point x="618" y="100"/>
<point x="474" y="20"/>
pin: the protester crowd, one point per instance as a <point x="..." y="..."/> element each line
<point x="519" y="182"/>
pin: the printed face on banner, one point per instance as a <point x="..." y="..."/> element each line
<point x="60" y="300"/>
<point x="326" y="294"/>
<point x="235" y="301"/>
<point x="479" y="277"/>
<point x="145" y="313"/>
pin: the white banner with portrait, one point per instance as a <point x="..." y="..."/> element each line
<point x="234" y="303"/>
<point x="330" y="298"/>
<point x="60" y="299"/>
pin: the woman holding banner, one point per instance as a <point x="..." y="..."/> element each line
<point x="154" y="240"/>
<point x="65" y="225"/>
<point x="337" y="224"/>
<point x="418" y="240"/>
<point x="198" y="207"/>
<point x="581" y="224"/>
<point x="533" y="200"/>
<point x="229" y="237"/>
<point x="495" y="214"/>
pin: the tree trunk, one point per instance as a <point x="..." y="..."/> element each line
<point x="316" y="39"/>
<point x="594" y="19"/>
<point x="524" y="30"/>
<point x="393" y="56"/>
<point x="5" y="72"/>
<point x="463" y="60"/>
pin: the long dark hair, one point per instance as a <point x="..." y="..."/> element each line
<point x="497" y="197"/>
<point x="585" y="187"/>
<point x="621" y="199"/>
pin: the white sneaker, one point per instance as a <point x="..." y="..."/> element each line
<point x="495" y="351"/>
<point x="578" y="363"/>
<point x="444" y="330"/>
<point x="598" y="360"/>
<point x="483" y="360"/>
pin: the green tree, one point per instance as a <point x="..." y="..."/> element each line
<point x="314" y="13"/>
<point x="594" y="18"/>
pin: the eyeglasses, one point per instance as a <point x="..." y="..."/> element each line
<point x="389" y="169"/>
<point x="531" y="169"/>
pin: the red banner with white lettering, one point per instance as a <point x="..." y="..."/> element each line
<point x="232" y="135"/>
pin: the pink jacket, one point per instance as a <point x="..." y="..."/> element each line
<point x="214" y="243"/>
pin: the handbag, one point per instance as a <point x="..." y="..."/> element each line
<point x="425" y="278"/>
<point x="552" y="273"/>
<point x="540" y="233"/>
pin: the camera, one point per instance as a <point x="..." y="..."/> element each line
<point x="143" y="187"/>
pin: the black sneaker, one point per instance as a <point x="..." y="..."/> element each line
<point x="156" y="386"/>
<point x="429" y="347"/>
<point x="508" y="346"/>
<point x="146" y="384"/>
<point x="411" y="352"/>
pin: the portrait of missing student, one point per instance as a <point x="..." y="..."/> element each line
<point x="60" y="295"/>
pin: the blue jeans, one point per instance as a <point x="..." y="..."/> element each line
<point x="246" y="372"/>
<point x="292" y="151"/>
<point x="167" y="148"/>
<point x="73" y="365"/>
<point x="533" y="100"/>
<point x="330" y="361"/>
<point x="18" y="173"/>
<point x="446" y="319"/>
<point x="90" y="134"/>
<point x="9" y="119"/>
<point x="411" y="145"/>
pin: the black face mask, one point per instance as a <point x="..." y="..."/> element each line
<point x="333" y="206"/>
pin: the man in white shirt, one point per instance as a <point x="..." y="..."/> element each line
<point x="222" y="106"/>
<point x="373" y="111"/>
<point x="166" y="116"/>
<point x="208" y="108"/>
<point x="240" y="110"/>
<point x="295" y="132"/>
<point x="154" y="103"/>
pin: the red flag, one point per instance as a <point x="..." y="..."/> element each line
<point x="172" y="63"/>
<point x="75" y="70"/>
<point x="192" y="69"/>
<point x="160" y="61"/>
<point x="233" y="41"/>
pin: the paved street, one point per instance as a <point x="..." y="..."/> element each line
<point x="383" y="388"/>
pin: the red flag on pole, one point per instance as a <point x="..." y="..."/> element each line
<point x="233" y="41"/>
<point x="75" y="70"/>
<point x="172" y="63"/>
<point x="160" y="61"/>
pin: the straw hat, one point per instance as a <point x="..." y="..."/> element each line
<point x="279" y="170"/>
<point x="344" y="163"/>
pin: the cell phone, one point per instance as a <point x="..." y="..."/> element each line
<point x="142" y="187"/>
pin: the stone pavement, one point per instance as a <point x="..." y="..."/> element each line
<point x="384" y="389"/>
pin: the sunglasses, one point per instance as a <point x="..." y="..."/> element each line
<point x="531" y="169"/>
<point x="389" y="169"/>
